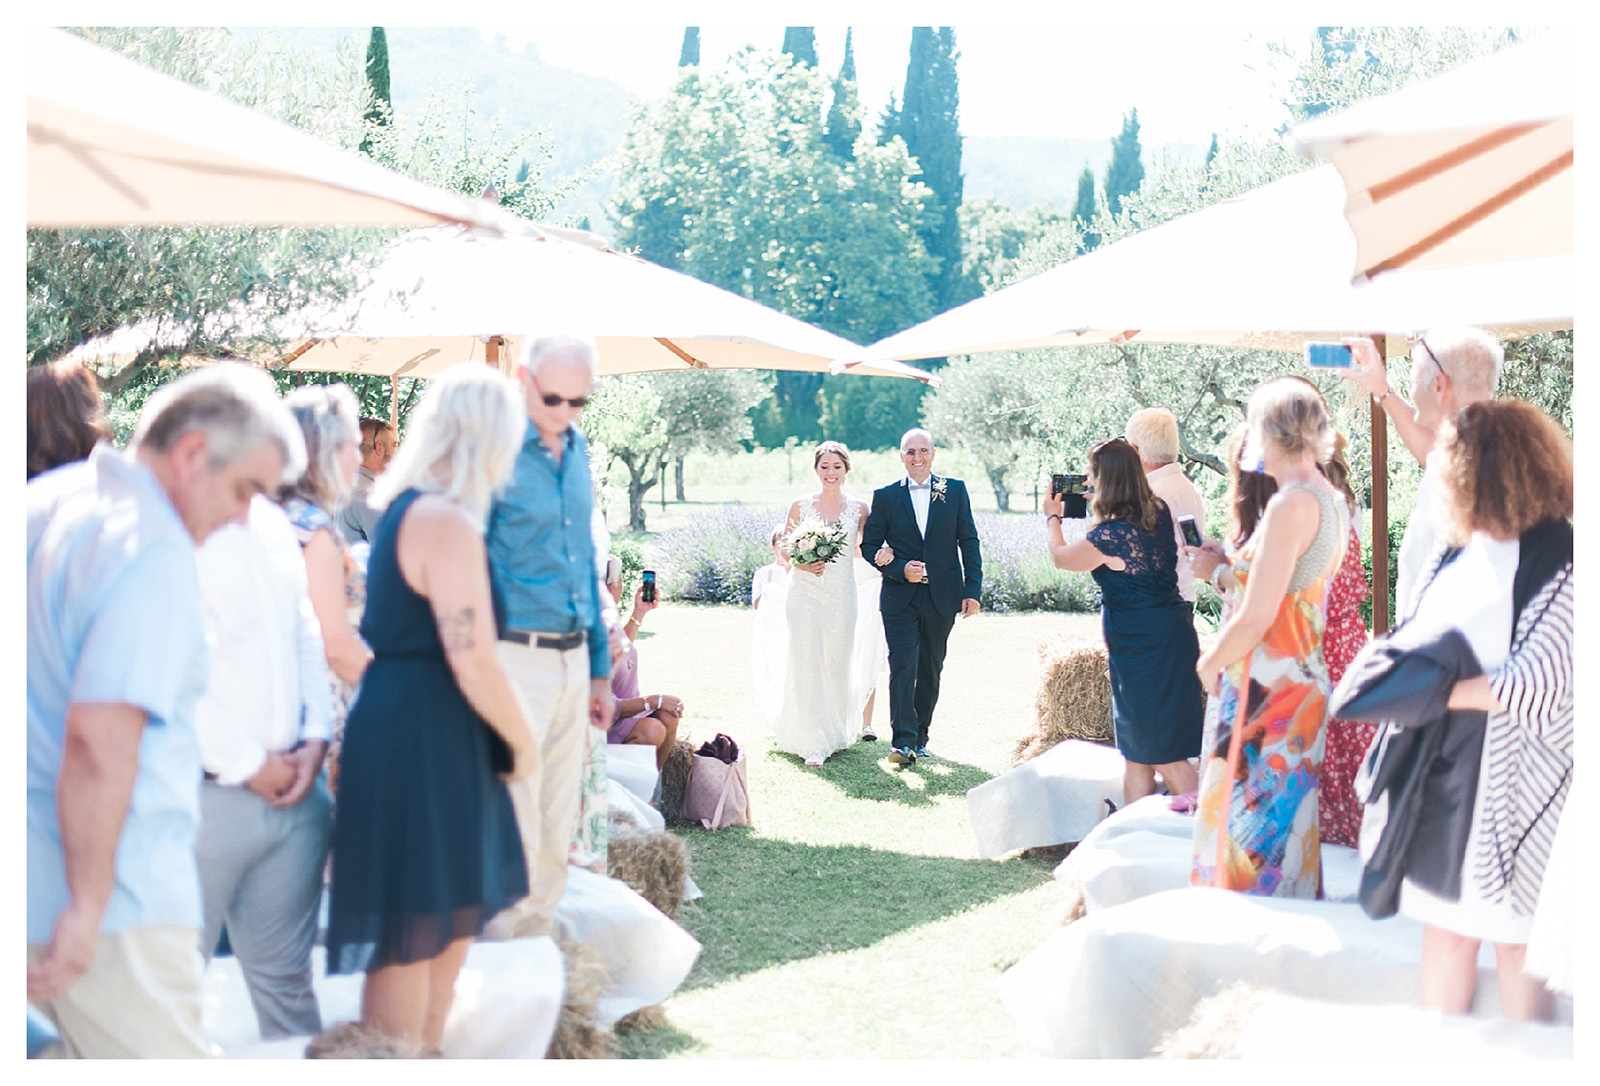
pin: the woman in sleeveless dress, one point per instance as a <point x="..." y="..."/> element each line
<point x="426" y="847"/>
<point x="1256" y="824"/>
<point x="826" y="681"/>
<point x="1157" y="707"/>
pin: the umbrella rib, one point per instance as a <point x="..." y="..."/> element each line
<point x="681" y="353"/>
<point x="1533" y="180"/>
<point x="1448" y="161"/>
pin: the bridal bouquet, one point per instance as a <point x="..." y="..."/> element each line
<point x="816" y="541"/>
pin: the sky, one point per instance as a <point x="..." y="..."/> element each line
<point x="1186" y="81"/>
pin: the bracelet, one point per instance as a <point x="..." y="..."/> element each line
<point x="1216" y="576"/>
<point x="1052" y="516"/>
<point x="1387" y="392"/>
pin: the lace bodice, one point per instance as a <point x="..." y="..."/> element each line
<point x="1151" y="576"/>
<point x="849" y="520"/>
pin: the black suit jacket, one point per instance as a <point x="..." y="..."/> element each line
<point x="950" y="550"/>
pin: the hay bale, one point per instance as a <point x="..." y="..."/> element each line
<point x="579" y="1034"/>
<point x="1213" y="1030"/>
<point x="1073" y="699"/>
<point x="359" y="1041"/>
<point x="642" y="1019"/>
<point x="675" y="777"/>
<point x="654" y="863"/>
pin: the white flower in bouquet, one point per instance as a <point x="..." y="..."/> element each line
<point x="816" y="541"/>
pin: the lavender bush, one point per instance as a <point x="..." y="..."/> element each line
<point x="1018" y="574"/>
<point x="712" y="558"/>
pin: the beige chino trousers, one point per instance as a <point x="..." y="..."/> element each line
<point x="554" y="687"/>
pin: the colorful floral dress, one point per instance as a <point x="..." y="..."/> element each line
<point x="1339" y="809"/>
<point x="1264" y="821"/>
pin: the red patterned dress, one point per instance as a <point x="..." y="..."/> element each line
<point x="1339" y="816"/>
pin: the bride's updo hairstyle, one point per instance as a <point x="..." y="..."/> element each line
<point x="833" y="447"/>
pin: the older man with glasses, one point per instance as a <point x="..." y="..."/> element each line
<point x="1450" y="368"/>
<point x="553" y="637"/>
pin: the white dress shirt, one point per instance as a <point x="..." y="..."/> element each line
<point x="1419" y="545"/>
<point x="1172" y="486"/>
<point x="269" y="685"/>
<point x="920" y="497"/>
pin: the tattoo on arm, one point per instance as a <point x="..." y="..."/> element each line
<point x="456" y="631"/>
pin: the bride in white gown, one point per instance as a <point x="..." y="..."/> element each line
<point x="831" y="642"/>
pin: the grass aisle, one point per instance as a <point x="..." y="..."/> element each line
<point x="853" y="919"/>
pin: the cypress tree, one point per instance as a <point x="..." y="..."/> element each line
<point x="930" y="124"/>
<point x="1125" y="173"/>
<point x="889" y="122"/>
<point x="377" y="84"/>
<point x="1083" y="211"/>
<point x="689" y="55"/>
<point x="1211" y="153"/>
<point x="800" y="42"/>
<point x="844" y="115"/>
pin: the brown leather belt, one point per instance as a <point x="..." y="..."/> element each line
<point x="545" y="641"/>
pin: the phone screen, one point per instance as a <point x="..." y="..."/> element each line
<point x="649" y="586"/>
<point x="1191" y="531"/>
<point x="1329" y="356"/>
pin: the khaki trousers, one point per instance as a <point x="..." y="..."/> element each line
<point x="139" y="1000"/>
<point x="554" y="687"/>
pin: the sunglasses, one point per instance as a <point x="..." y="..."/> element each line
<point x="552" y="400"/>
<point x="1429" y="351"/>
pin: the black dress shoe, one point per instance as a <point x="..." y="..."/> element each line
<point x="901" y="756"/>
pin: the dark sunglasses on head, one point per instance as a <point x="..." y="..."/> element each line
<point x="551" y="400"/>
<point x="1429" y="351"/>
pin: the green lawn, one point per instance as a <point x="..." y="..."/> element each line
<point x="853" y="919"/>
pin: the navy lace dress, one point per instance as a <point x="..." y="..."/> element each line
<point x="1157" y="703"/>
<point x="425" y="843"/>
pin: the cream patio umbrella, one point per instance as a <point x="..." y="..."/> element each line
<point x="1470" y="167"/>
<point x="1266" y="270"/>
<point x="113" y="143"/>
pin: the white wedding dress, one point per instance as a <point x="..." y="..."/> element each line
<point x="819" y="649"/>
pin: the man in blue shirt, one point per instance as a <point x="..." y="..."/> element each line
<point x="553" y="636"/>
<point x="116" y="661"/>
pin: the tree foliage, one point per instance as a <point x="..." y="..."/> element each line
<point x="1083" y="211"/>
<point x="733" y="182"/>
<point x="800" y="44"/>
<point x="380" y="107"/>
<point x="929" y="122"/>
<point x="1125" y="172"/>
<point x="844" y="112"/>
<point x="689" y="55"/>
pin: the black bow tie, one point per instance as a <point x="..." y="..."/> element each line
<point x="921" y="486"/>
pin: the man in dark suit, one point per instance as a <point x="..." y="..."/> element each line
<point x="934" y="574"/>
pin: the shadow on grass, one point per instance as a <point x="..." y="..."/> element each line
<point x="655" y="1042"/>
<point x="769" y="902"/>
<point x="862" y="771"/>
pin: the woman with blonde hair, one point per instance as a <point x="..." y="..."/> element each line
<point x="329" y="422"/>
<point x="426" y="846"/>
<point x="1256" y="824"/>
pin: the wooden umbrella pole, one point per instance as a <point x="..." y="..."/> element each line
<point x="1380" y="504"/>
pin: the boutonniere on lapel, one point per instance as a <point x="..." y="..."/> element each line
<point x="938" y="489"/>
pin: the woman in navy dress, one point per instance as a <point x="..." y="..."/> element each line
<point x="1157" y="705"/>
<point x="426" y="848"/>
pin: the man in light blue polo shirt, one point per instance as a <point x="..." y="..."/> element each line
<point x="553" y="635"/>
<point x="116" y="663"/>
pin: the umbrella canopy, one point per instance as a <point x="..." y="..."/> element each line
<point x="113" y="143"/>
<point x="1473" y="166"/>
<point x="442" y="297"/>
<point x="1265" y="270"/>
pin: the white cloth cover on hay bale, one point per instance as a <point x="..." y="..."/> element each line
<point x="1147" y="847"/>
<point x="1276" y="1031"/>
<point x="646" y="954"/>
<point x="1114" y="983"/>
<point x="507" y="1000"/>
<point x="1053" y="799"/>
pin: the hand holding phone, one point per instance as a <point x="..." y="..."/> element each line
<point x="1190" y="530"/>
<point x="649" y="586"/>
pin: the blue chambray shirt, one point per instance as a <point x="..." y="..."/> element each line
<point x="115" y="615"/>
<point x="541" y="547"/>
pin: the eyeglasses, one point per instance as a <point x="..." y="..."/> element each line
<point x="1429" y="350"/>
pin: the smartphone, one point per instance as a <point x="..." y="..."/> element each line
<point x="1063" y="485"/>
<point x="649" y="586"/>
<point x="1329" y="356"/>
<point x="1190" y="530"/>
